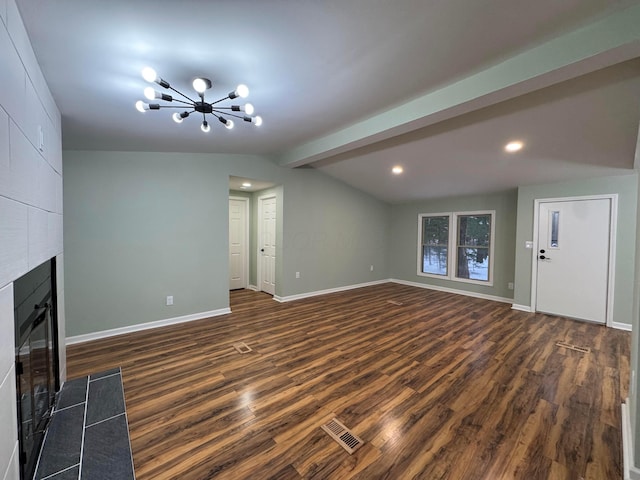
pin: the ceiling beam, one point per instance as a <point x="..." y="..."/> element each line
<point x="611" y="40"/>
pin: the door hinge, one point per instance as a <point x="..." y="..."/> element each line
<point x="23" y="458"/>
<point x="19" y="368"/>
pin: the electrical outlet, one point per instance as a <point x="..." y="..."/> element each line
<point x="510" y="285"/>
<point x="169" y="299"/>
<point x="297" y="274"/>
<point x="371" y="268"/>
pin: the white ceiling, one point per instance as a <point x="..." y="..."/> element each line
<point x="315" y="67"/>
<point x="238" y="183"/>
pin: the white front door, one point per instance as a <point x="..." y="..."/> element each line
<point x="267" y="246"/>
<point x="238" y="243"/>
<point x="573" y="258"/>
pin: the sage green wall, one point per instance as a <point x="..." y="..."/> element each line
<point x="634" y="405"/>
<point x="626" y="187"/>
<point x="402" y="256"/>
<point x="141" y="226"/>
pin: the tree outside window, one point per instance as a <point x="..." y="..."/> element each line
<point x="474" y="236"/>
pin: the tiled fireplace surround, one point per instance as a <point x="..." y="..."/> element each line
<point x="88" y="436"/>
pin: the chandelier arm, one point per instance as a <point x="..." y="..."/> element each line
<point x="180" y="93"/>
<point x="184" y="102"/>
<point x="178" y="106"/>
<point x="227" y="114"/>
<point x="221" y="100"/>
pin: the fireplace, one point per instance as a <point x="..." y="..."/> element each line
<point x="36" y="340"/>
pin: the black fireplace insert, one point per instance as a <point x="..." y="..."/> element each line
<point x="37" y="369"/>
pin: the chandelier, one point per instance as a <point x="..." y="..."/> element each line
<point x="190" y="106"/>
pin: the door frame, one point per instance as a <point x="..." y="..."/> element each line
<point x="261" y="199"/>
<point x="613" y="223"/>
<point x="247" y="259"/>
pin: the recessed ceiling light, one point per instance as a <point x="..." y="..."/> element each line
<point x="397" y="170"/>
<point x="246" y="184"/>
<point x="512" y="147"/>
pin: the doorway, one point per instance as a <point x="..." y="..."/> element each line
<point x="238" y="242"/>
<point x="267" y="244"/>
<point x="574" y="258"/>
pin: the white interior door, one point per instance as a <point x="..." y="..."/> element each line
<point x="238" y="243"/>
<point x="267" y="247"/>
<point x="573" y="258"/>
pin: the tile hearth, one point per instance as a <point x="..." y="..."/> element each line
<point x="88" y="436"/>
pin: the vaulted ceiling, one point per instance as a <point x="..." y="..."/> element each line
<point x="354" y="87"/>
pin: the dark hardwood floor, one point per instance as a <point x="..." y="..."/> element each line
<point x="442" y="386"/>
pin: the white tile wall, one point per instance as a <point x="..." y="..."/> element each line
<point x="34" y="113"/>
<point x="23" y="166"/>
<point x="4" y="153"/>
<point x="38" y="237"/>
<point x="13" y="470"/>
<point x="12" y="78"/>
<point x="20" y="39"/>
<point x="7" y="345"/>
<point x="8" y="418"/>
<point x="45" y="193"/>
<point x="54" y="234"/>
<point x="30" y="200"/>
<point x="3" y="11"/>
<point x="53" y="146"/>
<point x="59" y="195"/>
<point x="14" y="241"/>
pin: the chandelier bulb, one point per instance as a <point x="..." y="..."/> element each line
<point x="201" y="85"/>
<point x="150" y="93"/>
<point x="141" y="106"/>
<point x="257" y="120"/>
<point x="229" y="124"/>
<point x="242" y="91"/>
<point x="205" y="127"/>
<point x="149" y="74"/>
<point x="248" y="109"/>
<point x="177" y="118"/>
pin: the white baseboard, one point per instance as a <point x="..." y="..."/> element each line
<point x="300" y="296"/>
<point x="522" y="308"/>
<point x="87" y="337"/>
<point x="630" y="472"/>
<point x="453" y="290"/>
<point x="621" y="326"/>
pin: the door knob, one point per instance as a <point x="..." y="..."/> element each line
<point x="542" y="257"/>
<point x="542" y="250"/>
<point x="262" y="250"/>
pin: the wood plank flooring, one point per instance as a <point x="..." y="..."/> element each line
<point x="440" y="387"/>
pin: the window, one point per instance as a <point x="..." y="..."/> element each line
<point x="555" y="222"/>
<point x="435" y="245"/>
<point x="457" y="246"/>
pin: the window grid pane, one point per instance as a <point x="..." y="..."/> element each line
<point x="434" y="260"/>
<point x="474" y="238"/>
<point x="435" y="243"/>
<point x="473" y="263"/>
